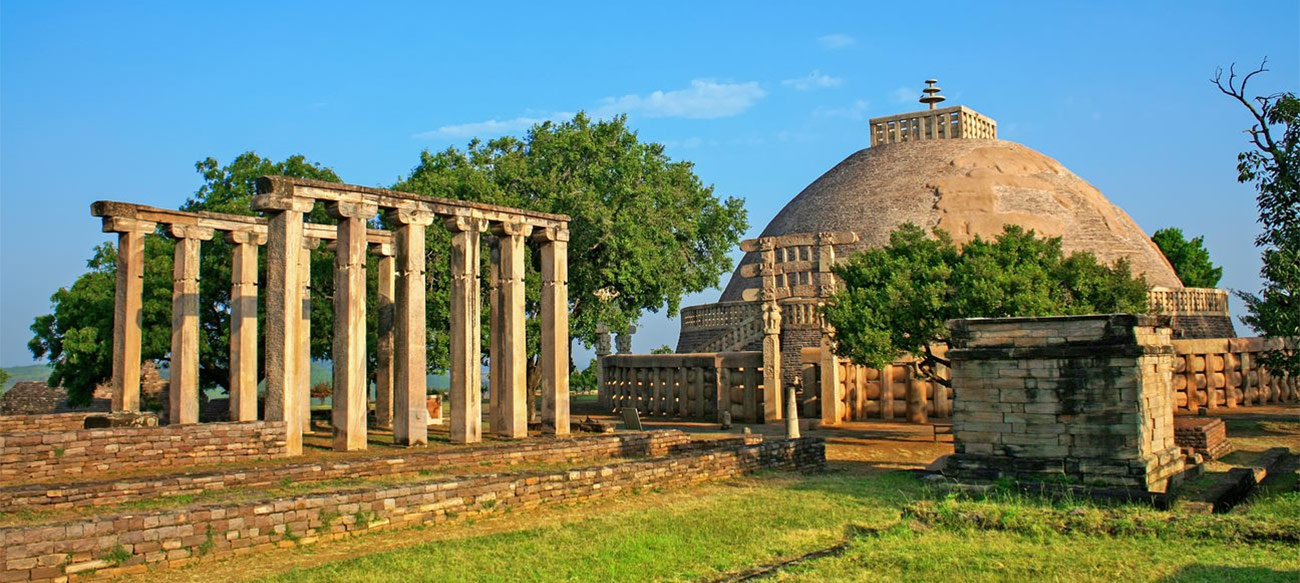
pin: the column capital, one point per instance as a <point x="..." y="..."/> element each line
<point x="310" y="243"/>
<point x="245" y="237"/>
<point x="464" y="223"/>
<point x="190" y="232"/>
<point x="511" y="228"/>
<point x="282" y="202"/>
<point x="409" y="216"/>
<point x="383" y="250"/>
<point x="351" y="209"/>
<point x="128" y="225"/>
<point x="549" y="234"/>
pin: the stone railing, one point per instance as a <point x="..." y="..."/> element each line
<point x="800" y="313"/>
<point x="1188" y="301"/>
<point x="719" y="315"/>
<point x="696" y="386"/>
<point x="1225" y="372"/>
<point x="907" y="395"/>
<point x="933" y="124"/>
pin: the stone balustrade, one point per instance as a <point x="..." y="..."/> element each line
<point x="694" y="386"/>
<point x="894" y="391"/>
<point x="958" y="122"/>
<point x="1225" y="373"/>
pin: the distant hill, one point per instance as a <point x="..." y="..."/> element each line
<point x="35" y="372"/>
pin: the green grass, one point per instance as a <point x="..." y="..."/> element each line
<point x="773" y="517"/>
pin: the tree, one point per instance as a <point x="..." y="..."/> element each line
<point x="77" y="336"/>
<point x="1273" y="166"/>
<point x="896" y="299"/>
<point x="1190" y="259"/>
<point x="645" y="230"/>
<point x="4" y="377"/>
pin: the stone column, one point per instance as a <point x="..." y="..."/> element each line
<point x="466" y="351"/>
<point x="603" y="394"/>
<point x="128" y="298"/>
<point x="624" y="340"/>
<point x="183" y="394"/>
<point x="283" y="311"/>
<point x="555" y="329"/>
<point x="303" y="369"/>
<point x="831" y="390"/>
<point x="387" y="285"/>
<point x="514" y="362"/>
<point x="243" y="324"/>
<point x="772" y="394"/>
<point x="350" y="394"/>
<point x="410" y="417"/>
<point x="495" y="352"/>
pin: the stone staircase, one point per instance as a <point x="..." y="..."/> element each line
<point x="746" y="332"/>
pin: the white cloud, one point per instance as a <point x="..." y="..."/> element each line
<point x="491" y="127"/>
<point x="704" y="99"/>
<point x="814" y="80"/>
<point x="905" y="94"/>
<point x="856" y="112"/>
<point x="836" y="41"/>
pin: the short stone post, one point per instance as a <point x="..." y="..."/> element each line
<point x="128" y="298"/>
<point x="183" y="395"/>
<point x="791" y="413"/>
<point x="284" y="245"/>
<point x="387" y="289"/>
<point x="466" y="353"/>
<point x="410" y="417"/>
<point x="243" y="324"/>
<point x="624" y="340"/>
<point x="514" y="365"/>
<point x="303" y="368"/>
<point x="555" y="329"/>
<point x="604" y="394"/>
<point x="350" y="399"/>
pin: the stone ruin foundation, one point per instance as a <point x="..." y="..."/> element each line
<point x="1078" y="400"/>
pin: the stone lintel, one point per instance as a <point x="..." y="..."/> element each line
<point x="282" y="202"/>
<point x="190" y="232"/>
<point x="340" y="209"/>
<point x="127" y="225"/>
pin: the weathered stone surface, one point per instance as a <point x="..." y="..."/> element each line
<point x="283" y="313"/>
<point x="386" y="278"/>
<point x="466" y="354"/>
<point x="350" y="402"/>
<point x="410" y="418"/>
<point x="183" y="396"/>
<point x="243" y="324"/>
<point x="555" y="329"/>
<point x="514" y="347"/>
<point x="127" y="316"/>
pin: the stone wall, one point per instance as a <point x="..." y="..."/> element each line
<point x="43" y="423"/>
<point x="121" y="544"/>
<point x="1086" y="399"/>
<point x="32" y="457"/>
<point x="118" y="491"/>
<point x="1207" y="436"/>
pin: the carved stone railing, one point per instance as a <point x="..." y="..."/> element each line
<point x="719" y="315"/>
<point x="695" y="386"/>
<point x="894" y="391"/>
<point x="1188" y="301"/>
<point x="1225" y="373"/>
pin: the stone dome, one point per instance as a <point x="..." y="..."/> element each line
<point x="967" y="187"/>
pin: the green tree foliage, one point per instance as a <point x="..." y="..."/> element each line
<point x="1273" y="166"/>
<point x="644" y="227"/>
<point x="4" y="377"/>
<point x="77" y="336"/>
<point x="1190" y="259"/>
<point x="896" y="299"/>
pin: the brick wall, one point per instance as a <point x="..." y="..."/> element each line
<point x="127" y="543"/>
<point x="118" y="491"/>
<point x="1085" y="398"/>
<point x="45" y="422"/>
<point x="31" y="457"/>
<point x="1207" y="436"/>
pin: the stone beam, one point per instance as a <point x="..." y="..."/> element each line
<point x="512" y="330"/>
<point x="410" y="418"/>
<point x="243" y="324"/>
<point x="466" y="353"/>
<point x="349" y="397"/>
<point x="183" y="396"/>
<point x="216" y="221"/>
<point x="555" y="329"/>
<point x="128" y="297"/>
<point x="386" y="278"/>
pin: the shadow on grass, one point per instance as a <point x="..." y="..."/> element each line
<point x="1218" y="574"/>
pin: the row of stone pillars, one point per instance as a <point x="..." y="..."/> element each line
<point x="401" y="371"/>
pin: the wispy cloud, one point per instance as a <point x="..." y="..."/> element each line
<point x="904" y="95"/>
<point x="813" y="80"/>
<point x="856" y="112"/>
<point x="836" y="41"/>
<point x="703" y="99"/>
<point x="488" y="128"/>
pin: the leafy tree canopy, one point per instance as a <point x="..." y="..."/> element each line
<point x="1190" y="259"/>
<point x="897" y="298"/>
<point x="1272" y="165"/>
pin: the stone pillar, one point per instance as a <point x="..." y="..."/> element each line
<point x="466" y="351"/>
<point x="603" y="394"/>
<point x="555" y="329"/>
<point x="387" y="284"/>
<point x="183" y="395"/>
<point x="410" y="417"/>
<point x="243" y="324"/>
<point x="283" y="311"/>
<point x="514" y="362"/>
<point x="127" y="315"/>
<point x="624" y="340"/>
<point x="831" y="391"/>
<point x="791" y="413"/>
<point x="303" y="369"/>
<point x="772" y="393"/>
<point x="495" y="352"/>
<point x="350" y="394"/>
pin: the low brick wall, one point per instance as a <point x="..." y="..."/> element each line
<point x="119" y="491"/>
<point x="1084" y="398"/>
<point x="128" y="543"/>
<point x="31" y="457"/>
<point x="44" y="422"/>
<point x="1207" y="436"/>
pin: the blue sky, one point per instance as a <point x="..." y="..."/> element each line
<point x="108" y="100"/>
